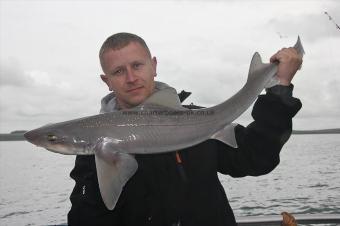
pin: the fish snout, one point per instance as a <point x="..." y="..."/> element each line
<point x="31" y="136"/>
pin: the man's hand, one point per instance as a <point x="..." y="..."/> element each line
<point x="289" y="61"/>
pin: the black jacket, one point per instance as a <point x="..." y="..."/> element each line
<point x="182" y="188"/>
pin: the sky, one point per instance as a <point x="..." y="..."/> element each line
<point x="50" y="72"/>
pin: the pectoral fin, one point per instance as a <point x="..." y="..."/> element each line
<point x="114" y="169"/>
<point x="226" y="135"/>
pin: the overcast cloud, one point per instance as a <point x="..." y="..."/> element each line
<point x="49" y="68"/>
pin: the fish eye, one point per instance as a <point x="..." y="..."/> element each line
<point x="51" y="137"/>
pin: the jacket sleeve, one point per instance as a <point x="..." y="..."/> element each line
<point x="87" y="205"/>
<point x="260" y="143"/>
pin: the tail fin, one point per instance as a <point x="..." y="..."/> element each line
<point x="258" y="67"/>
<point x="298" y="46"/>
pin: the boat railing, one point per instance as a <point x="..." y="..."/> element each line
<point x="276" y="220"/>
<point x="301" y="219"/>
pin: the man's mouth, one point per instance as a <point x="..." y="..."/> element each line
<point x="134" y="89"/>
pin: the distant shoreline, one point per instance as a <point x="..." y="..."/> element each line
<point x="16" y="135"/>
<point x="11" y="137"/>
<point x="320" y="131"/>
<point x="19" y="135"/>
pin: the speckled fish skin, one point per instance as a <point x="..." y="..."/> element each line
<point x="155" y="129"/>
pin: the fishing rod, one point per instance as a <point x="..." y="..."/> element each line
<point x="331" y="19"/>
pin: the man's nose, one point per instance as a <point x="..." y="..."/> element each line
<point x="130" y="76"/>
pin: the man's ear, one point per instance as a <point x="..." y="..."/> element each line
<point x="106" y="80"/>
<point x="154" y="65"/>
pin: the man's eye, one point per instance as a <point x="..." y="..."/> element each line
<point x="51" y="137"/>
<point x="118" y="72"/>
<point x="137" y="65"/>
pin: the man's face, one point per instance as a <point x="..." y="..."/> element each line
<point x="129" y="72"/>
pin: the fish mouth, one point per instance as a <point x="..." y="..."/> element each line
<point x="52" y="150"/>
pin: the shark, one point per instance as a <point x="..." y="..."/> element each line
<point x="158" y="125"/>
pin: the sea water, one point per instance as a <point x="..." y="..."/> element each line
<point x="307" y="180"/>
<point x="35" y="183"/>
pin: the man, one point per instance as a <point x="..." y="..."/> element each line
<point x="181" y="187"/>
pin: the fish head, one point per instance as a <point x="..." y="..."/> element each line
<point x="60" y="138"/>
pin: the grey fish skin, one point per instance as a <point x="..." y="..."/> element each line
<point x="150" y="128"/>
<point x="155" y="129"/>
